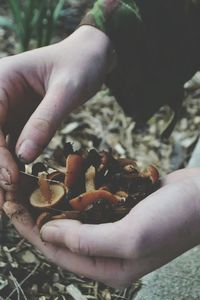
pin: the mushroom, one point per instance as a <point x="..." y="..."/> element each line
<point x="121" y="196"/>
<point x="73" y="215"/>
<point x="57" y="176"/>
<point x="42" y="219"/>
<point x="128" y="166"/>
<point x="47" y="195"/>
<point x="94" y="188"/>
<point x="120" y="212"/>
<point x="151" y="173"/>
<point x="90" y="179"/>
<point x="82" y="201"/>
<point x="93" y="158"/>
<point x="104" y="161"/>
<point x="74" y="168"/>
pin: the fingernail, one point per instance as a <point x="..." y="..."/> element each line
<point x="28" y="150"/>
<point x="5" y="176"/>
<point x="48" y="232"/>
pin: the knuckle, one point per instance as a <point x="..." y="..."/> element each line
<point x="80" y="245"/>
<point x="73" y="243"/>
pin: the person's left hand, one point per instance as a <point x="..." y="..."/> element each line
<point x="158" y="229"/>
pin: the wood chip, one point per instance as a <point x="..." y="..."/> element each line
<point x="75" y="293"/>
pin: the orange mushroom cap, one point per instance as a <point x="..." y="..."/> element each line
<point x="81" y="202"/>
<point x="74" y="167"/>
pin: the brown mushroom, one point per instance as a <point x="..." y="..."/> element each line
<point x="73" y="215"/>
<point x="121" y="195"/>
<point x="74" y="168"/>
<point x="47" y="195"/>
<point x="57" y="176"/>
<point x="104" y="160"/>
<point x="120" y="212"/>
<point x="42" y="219"/>
<point x="81" y="202"/>
<point x="151" y="173"/>
<point x="127" y="165"/>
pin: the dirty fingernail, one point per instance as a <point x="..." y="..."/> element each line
<point x="5" y="176"/>
<point x="28" y="150"/>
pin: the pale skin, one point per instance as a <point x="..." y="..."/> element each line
<point x="49" y="83"/>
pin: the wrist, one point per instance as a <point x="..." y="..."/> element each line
<point x="103" y="44"/>
<point x="96" y="43"/>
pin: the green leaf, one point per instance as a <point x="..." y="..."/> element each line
<point x="5" y="22"/>
<point x="16" y="10"/>
<point x="57" y="10"/>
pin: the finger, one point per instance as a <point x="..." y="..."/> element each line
<point x="109" y="271"/>
<point x="92" y="240"/>
<point x="9" y="174"/>
<point x="8" y="168"/>
<point x="3" y="105"/>
<point x="1" y="217"/>
<point x="43" y="123"/>
<point x="1" y="198"/>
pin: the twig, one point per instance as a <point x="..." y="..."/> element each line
<point x="96" y="289"/>
<point x="17" y="287"/>
<point x="75" y="293"/>
<point x="23" y="281"/>
<point x="36" y="177"/>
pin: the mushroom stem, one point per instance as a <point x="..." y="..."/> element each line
<point x="45" y="187"/>
<point x="89" y="179"/>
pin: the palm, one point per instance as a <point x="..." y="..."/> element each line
<point x="153" y="233"/>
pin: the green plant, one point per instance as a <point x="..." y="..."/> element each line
<point x="33" y="19"/>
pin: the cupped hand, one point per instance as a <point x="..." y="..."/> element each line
<point x="158" y="229"/>
<point x="39" y="88"/>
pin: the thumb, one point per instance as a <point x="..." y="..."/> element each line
<point x="92" y="240"/>
<point x="43" y="123"/>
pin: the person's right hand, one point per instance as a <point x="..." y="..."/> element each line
<point x="39" y="88"/>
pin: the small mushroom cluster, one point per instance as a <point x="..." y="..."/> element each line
<point x="95" y="188"/>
